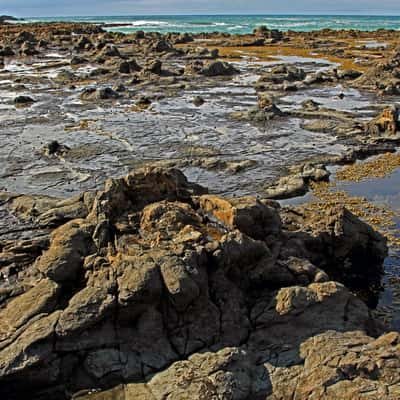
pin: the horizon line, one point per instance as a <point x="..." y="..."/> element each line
<point x="397" y="14"/>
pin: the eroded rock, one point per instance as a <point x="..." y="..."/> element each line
<point x="152" y="288"/>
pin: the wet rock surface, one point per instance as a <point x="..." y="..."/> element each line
<point x="252" y="115"/>
<point x="147" y="286"/>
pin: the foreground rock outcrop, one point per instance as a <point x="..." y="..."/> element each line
<point x="334" y="366"/>
<point x="154" y="289"/>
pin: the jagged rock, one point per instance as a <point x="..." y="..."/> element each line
<point x="158" y="283"/>
<point x="6" y="51"/>
<point x="385" y="124"/>
<point x="110" y="51"/>
<point x="342" y="366"/>
<point x="153" y="67"/>
<point x="166" y="217"/>
<point x="83" y="43"/>
<point x="383" y="77"/>
<point x="128" y="67"/>
<point x="314" y="309"/>
<point x="66" y="210"/>
<point x="279" y="75"/>
<point x="219" y="68"/>
<point x="162" y="46"/>
<point x="344" y="237"/>
<point x="263" y="31"/>
<point x="27" y="207"/>
<point x="140" y="284"/>
<point x="25" y="36"/>
<point x="225" y="374"/>
<point x="28" y="49"/>
<point x="331" y="364"/>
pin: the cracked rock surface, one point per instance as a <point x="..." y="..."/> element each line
<point x="154" y="289"/>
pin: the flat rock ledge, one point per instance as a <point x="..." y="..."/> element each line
<point x="154" y="289"/>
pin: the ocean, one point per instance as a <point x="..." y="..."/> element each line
<point x="236" y="23"/>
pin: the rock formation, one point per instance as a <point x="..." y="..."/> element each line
<point x="154" y="289"/>
<point x="384" y="76"/>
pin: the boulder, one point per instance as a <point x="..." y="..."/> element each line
<point x="6" y="51"/>
<point x="28" y="49"/>
<point x="281" y="74"/>
<point x="198" y="101"/>
<point x="20" y="100"/>
<point x="162" y="46"/>
<point x="83" y="43"/>
<point x="25" y="36"/>
<point x="264" y="32"/>
<point x="110" y="51"/>
<point x="219" y="68"/>
<point x="152" y="67"/>
<point x="128" y="67"/>
<point x="297" y="184"/>
<point x="90" y="94"/>
<point x="54" y="148"/>
<point x="386" y="124"/>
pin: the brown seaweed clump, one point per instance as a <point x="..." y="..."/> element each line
<point x="379" y="167"/>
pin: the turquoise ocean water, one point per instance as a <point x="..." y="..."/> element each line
<point x="237" y="23"/>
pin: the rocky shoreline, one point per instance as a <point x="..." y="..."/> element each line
<point x="150" y="271"/>
<point x="148" y="287"/>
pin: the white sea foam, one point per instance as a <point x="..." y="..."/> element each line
<point x="144" y="23"/>
<point x="234" y="24"/>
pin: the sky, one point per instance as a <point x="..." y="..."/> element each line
<point x="43" y="8"/>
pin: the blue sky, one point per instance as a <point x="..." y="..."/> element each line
<point x="150" y="7"/>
